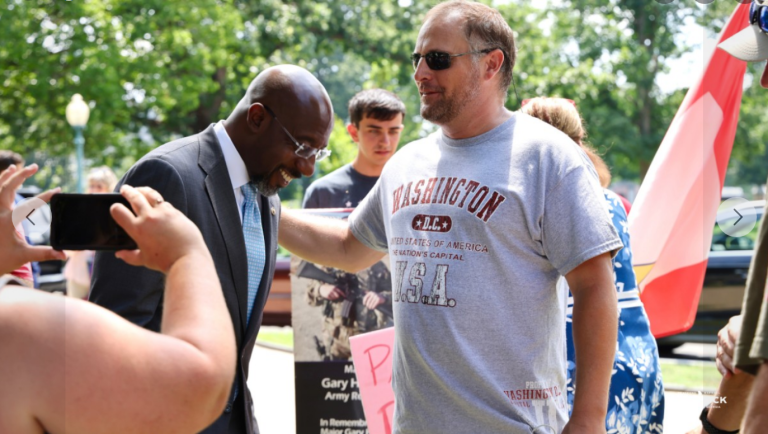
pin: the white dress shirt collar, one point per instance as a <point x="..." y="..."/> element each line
<point x="238" y="173"/>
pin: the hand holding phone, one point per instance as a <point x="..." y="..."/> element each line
<point x="83" y="222"/>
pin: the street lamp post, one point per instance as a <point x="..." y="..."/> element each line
<point x="77" y="116"/>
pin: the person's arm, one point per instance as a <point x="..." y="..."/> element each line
<point x="14" y="250"/>
<point x="595" y="327"/>
<point x="735" y="384"/>
<point x="734" y="387"/>
<point x="324" y="241"/>
<point x="134" y="293"/>
<point x="756" y="418"/>
<point x="70" y="366"/>
<point x="727" y="415"/>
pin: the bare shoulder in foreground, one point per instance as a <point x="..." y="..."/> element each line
<point x="71" y="366"/>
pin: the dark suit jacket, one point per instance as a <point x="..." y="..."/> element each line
<point x="191" y="174"/>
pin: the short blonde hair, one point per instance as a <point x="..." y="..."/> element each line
<point x="563" y="115"/>
<point x="103" y="175"/>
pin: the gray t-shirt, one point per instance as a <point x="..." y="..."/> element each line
<point x="345" y="187"/>
<point x="478" y="231"/>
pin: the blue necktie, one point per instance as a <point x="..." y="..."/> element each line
<point x="254" y="242"/>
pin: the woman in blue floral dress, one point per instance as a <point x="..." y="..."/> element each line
<point x="636" y="401"/>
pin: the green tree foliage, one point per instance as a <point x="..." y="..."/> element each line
<point x="155" y="70"/>
<point x="607" y="55"/>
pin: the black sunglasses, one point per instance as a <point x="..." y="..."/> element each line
<point x="759" y="14"/>
<point x="438" y="60"/>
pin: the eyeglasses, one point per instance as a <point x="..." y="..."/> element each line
<point x="527" y="100"/>
<point x="302" y="150"/>
<point x="438" y="60"/>
<point x="758" y="13"/>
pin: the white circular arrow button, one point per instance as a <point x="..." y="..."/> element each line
<point x="736" y="219"/>
<point x="32" y="211"/>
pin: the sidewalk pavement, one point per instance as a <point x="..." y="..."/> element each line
<point x="272" y="386"/>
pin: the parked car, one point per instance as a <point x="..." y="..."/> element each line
<point x="724" y="281"/>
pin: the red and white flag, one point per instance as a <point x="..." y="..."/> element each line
<point x="674" y="213"/>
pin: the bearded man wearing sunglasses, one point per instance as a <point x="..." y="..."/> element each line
<point x="225" y="179"/>
<point x="480" y="219"/>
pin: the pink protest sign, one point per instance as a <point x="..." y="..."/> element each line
<point x="372" y="355"/>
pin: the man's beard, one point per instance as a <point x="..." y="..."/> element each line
<point x="262" y="184"/>
<point x="448" y="108"/>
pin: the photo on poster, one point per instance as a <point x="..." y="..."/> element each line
<point x="328" y="307"/>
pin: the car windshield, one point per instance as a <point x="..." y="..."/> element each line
<point x="722" y="241"/>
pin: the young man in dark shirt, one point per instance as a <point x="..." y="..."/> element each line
<point x="375" y="122"/>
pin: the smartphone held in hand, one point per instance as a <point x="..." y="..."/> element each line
<point x="83" y="222"/>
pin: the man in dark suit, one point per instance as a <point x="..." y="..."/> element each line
<point x="225" y="180"/>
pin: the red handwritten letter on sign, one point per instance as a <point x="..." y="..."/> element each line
<point x="372" y="355"/>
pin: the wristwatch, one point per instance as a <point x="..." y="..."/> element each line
<point x="708" y="427"/>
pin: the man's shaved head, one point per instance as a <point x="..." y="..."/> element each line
<point x="300" y="104"/>
<point x="290" y="86"/>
